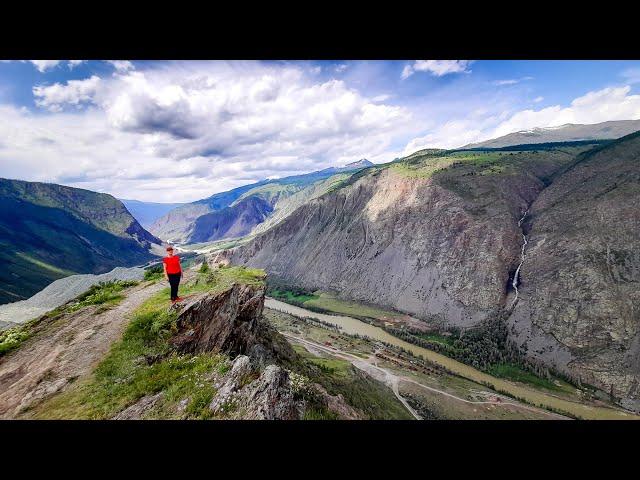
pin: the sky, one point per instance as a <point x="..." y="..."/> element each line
<point x="179" y="131"/>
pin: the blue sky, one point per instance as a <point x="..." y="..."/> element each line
<point x="180" y="131"/>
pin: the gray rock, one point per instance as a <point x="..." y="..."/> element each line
<point x="60" y="292"/>
<point x="138" y="409"/>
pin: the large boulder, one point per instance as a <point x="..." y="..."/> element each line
<point x="230" y="322"/>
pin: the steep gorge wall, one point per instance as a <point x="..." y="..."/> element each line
<point x="441" y="247"/>
<point x="579" y="305"/>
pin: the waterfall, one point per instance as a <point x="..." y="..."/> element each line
<point x="516" y="276"/>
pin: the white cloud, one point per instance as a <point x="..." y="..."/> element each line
<point x="436" y="67"/>
<point x="341" y="67"/>
<point x="613" y="103"/>
<point x="381" y="98"/>
<point x="538" y="99"/>
<point x="511" y="81"/>
<point x="44" y="65"/>
<point x="74" y="92"/>
<point x="631" y="75"/>
<point x="121" y="65"/>
<point x="187" y="130"/>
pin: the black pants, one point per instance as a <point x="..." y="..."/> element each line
<point x="174" y="281"/>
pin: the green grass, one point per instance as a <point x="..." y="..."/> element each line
<point x="330" y="303"/>
<point x="513" y="372"/>
<point x="153" y="273"/>
<point x="325" y="302"/>
<point x="142" y="363"/>
<point x="105" y="294"/>
<point x="13" y="337"/>
<point x="44" y="265"/>
<point x="319" y="414"/>
<point x="421" y="168"/>
<point x="369" y="396"/>
<point x="331" y="366"/>
<point x="292" y="297"/>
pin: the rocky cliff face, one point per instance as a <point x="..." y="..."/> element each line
<point x="435" y="236"/>
<point x="230" y="322"/>
<point x="236" y="212"/>
<point x="579" y="305"/>
<point x="231" y="222"/>
<point x="262" y="383"/>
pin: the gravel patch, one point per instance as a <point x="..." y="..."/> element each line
<point x="59" y="293"/>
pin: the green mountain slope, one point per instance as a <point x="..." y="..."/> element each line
<point x="50" y="231"/>
<point x="231" y="214"/>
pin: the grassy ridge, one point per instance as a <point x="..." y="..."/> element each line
<point x="103" y="294"/>
<point x="142" y="362"/>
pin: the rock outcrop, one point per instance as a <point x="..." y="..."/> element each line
<point x="262" y="383"/>
<point x="250" y="394"/>
<point x="231" y="322"/>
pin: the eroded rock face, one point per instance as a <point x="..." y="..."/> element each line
<point x="257" y="387"/>
<point x="251" y="394"/>
<point x="446" y="248"/>
<point x="138" y="409"/>
<point x="580" y="295"/>
<point x="230" y="322"/>
<point x="439" y="247"/>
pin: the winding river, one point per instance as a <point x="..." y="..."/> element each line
<point x="532" y="396"/>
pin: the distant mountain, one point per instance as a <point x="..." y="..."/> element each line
<point x="565" y="133"/>
<point x="237" y="212"/>
<point x="148" y="212"/>
<point x="49" y="231"/>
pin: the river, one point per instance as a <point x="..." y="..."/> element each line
<point x="532" y="396"/>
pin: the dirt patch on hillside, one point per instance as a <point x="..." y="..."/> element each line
<point x="63" y="350"/>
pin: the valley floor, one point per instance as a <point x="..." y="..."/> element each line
<point x="447" y="381"/>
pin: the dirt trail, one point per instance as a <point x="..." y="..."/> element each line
<point x="63" y="350"/>
<point x="393" y="380"/>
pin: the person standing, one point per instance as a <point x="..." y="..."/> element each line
<point x="172" y="272"/>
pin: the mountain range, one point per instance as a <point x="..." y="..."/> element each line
<point x="536" y="232"/>
<point x="237" y="212"/>
<point x="564" y="133"/>
<point x="50" y="231"/>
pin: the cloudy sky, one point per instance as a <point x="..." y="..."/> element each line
<point x="181" y="131"/>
